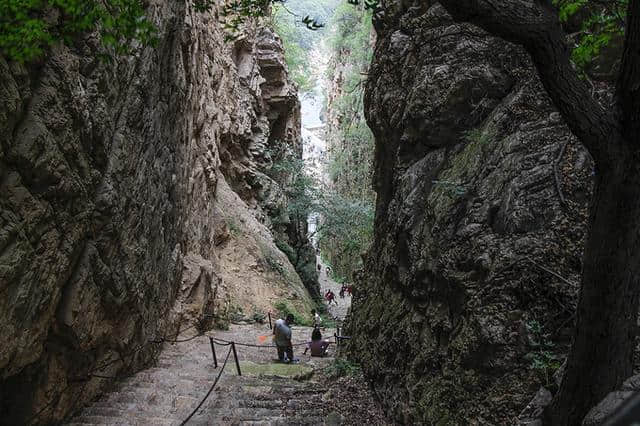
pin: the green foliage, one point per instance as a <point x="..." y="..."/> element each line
<point x="327" y="320"/>
<point x="345" y="233"/>
<point x="601" y="22"/>
<point x="295" y="55"/>
<point x="351" y="161"/>
<point x="541" y="358"/>
<point x="284" y="309"/>
<point x="235" y="313"/>
<point x="29" y="27"/>
<point x="258" y="317"/>
<point x="234" y="229"/>
<point x="343" y="367"/>
<point x="347" y="216"/>
<point x="352" y="33"/>
<point x="286" y="249"/>
<point x="300" y="187"/>
<point x="451" y="189"/>
<point x="274" y="264"/>
<point x="298" y="41"/>
<point x="235" y="14"/>
<point x="480" y="136"/>
<point x="291" y="14"/>
<point x="308" y="274"/>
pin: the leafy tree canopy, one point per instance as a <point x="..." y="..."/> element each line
<point x="600" y="22"/>
<point x="28" y="27"/>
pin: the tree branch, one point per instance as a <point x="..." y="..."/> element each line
<point x="535" y="26"/>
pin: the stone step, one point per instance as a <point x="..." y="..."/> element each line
<point x="270" y="421"/>
<point x="298" y="420"/>
<point x="179" y="403"/>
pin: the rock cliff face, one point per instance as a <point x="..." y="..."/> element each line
<point x="133" y="202"/>
<point x="466" y="300"/>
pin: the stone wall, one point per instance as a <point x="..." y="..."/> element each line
<point x="129" y="203"/>
<point x="465" y="305"/>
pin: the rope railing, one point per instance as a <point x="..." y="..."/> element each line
<point x="215" y="382"/>
<point x="122" y="358"/>
<point x="249" y="345"/>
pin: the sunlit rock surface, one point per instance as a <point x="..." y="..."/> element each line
<point x="130" y="203"/>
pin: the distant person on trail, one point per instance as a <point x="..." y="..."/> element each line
<point x="342" y="290"/>
<point x="331" y="297"/>
<point x="319" y="267"/>
<point x="349" y="290"/>
<point x="282" y="339"/>
<point x="316" y="319"/>
<point x="317" y="345"/>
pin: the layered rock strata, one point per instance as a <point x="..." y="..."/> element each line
<point x="465" y="305"/>
<point x="131" y="204"/>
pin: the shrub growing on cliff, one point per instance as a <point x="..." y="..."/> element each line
<point x="29" y="27"/>
<point x="284" y="309"/>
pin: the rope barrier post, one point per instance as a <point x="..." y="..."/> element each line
<point x="270" y="326"/>
<point x="337" y="340"/>
<point x="235" y="356"/>
<point x="213" y="352"/>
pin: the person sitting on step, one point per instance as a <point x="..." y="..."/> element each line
<point x="317" y="345"/>
<point x="282" y="339"/>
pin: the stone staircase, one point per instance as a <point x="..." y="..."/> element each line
<point x="167" y="393"/>
<point x="264" y="401"/>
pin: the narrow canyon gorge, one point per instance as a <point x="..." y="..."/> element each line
<point x="173" y="193"/>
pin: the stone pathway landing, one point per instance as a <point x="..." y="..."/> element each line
<point x="266" y="394"/>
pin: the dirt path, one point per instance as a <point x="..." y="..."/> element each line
<point x="338" y="311"/>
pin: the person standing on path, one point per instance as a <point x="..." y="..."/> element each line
<point x="331" y="297"/>
<point x="317" y="320"/>
<point x="282" y="338"/>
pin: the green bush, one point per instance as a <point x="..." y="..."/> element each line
<point x="258" y="317"/>
<point x="27" y="30"/>
<point x="286" y="249"/>
<point x="284" y="309"/>
<point x="274" y="264"/>
<point x="236" y="314"/>
<point x="234" y="229"/>
<point x="343" y="367"/>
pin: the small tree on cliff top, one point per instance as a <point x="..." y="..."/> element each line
<point x="604" y="340"/>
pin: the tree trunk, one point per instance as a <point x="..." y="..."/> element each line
<point x="601" y="356"/>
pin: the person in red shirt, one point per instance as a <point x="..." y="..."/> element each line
<point x="330" y="296"/>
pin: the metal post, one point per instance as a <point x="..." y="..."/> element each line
<point x="337" y="340"/>
<point x="213" y="351"/>
<point x="235" y="356"/>
<point x="269" y="314"/>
